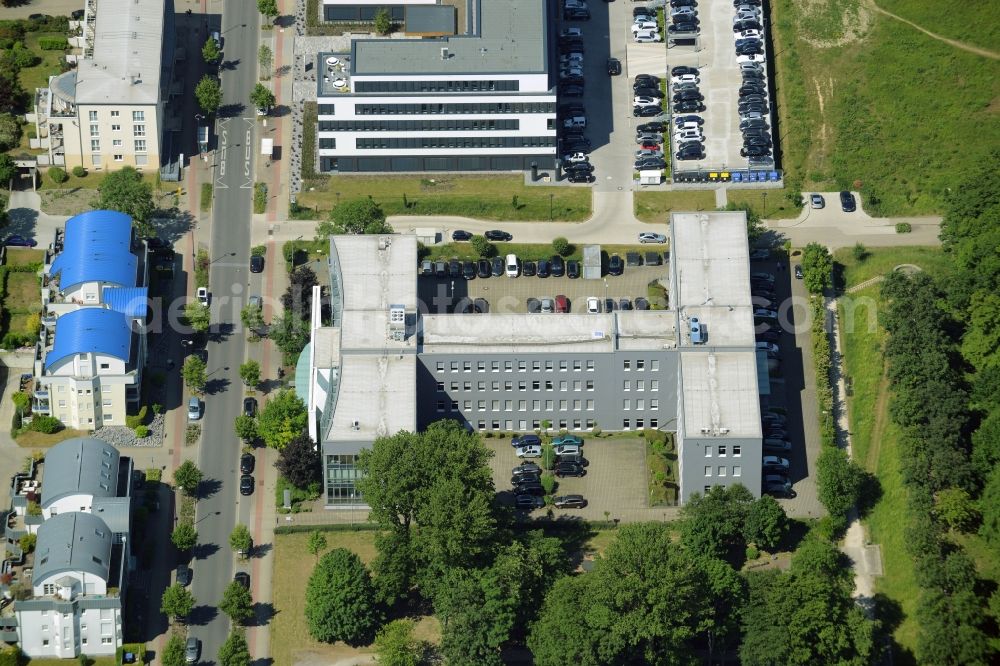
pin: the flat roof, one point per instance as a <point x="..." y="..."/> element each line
<point x="646" y="329"/>
<point x="720" y="393"/>
<point x="376" y="271"/>
<point x="377" y="397"/>
<point x="517" y="332"/>
<point x="511" y="39"/>
<point x="435" y="19"/>
<point x="125" y="68"/>
<point x="711" y="275"/>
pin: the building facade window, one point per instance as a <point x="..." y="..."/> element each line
<point x="341" y="477"/>
<point x="95" y="130"/>
<point x="119" y="158"/>
<point x="431" y="141"/>
<point x="92" y="115"/>
<point x="95" y="145"/>
<point x="115" y="113"/>
<point x="116" y="128"/>
<point x="138" y="130"/>
<point x="116" y="143"/>
<point x="407" y="85"/>
<point x="138" y="116"/>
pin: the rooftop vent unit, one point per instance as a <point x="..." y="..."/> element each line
<point x="356" y="425"/>
<point x="445" y="54"/>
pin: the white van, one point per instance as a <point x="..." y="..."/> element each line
<point x="513" y="266"/>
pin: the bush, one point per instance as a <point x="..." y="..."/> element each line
<point x="10" y="655"/>
<point x="483" y="247"/>
<point x="548" y="483"/>
<point x="79" y="171"/>
<point x="258" y="250"/>
<point x="53" y="43"/>
<point x="548" y="456"/>
<point x="903" y="228"/>
<point x="136" y="420"/>
<point x="15" y="424"/>
<point x="58" y="175"/>
<point x="45" y="424"/>
<point x="142" y="431"/>
<point x="22" y="402"/>
<point x="562" y="247"/>
<point x="752" y="553"/>
<point x="259" y="198"/>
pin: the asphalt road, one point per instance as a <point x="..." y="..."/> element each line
<point x="220" y="508"/>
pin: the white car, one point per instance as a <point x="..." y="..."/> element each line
<point x="576" y="121"/>
<point x="571" y="32"/>
<point x="641" y="100"/>
<point x="641" y="25"/>
<point x="643" y="17"/>
<point x="767" y="346"/>
<point x="530" y="451"/>
<point x="689" y="135"/>
<point x="513" y="266"/>
<point x="194" y="409"/>
<point x="747" y="34"/>
<point x="774" y="461"/>
<point x="567" y="450"/>
<point x="685" y="78"/>
<point x="650" y="237"/>
<point x="751" y="57"/>
<point x="576" y="157"/>
<point x="593" y="304"/>
<point x="203" y="295"/>
<point x="689" y="124"/>
<point x="648" y="37"/>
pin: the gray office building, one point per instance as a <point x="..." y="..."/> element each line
<point x="386" y="365"/>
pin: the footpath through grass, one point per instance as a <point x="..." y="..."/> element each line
<point x="963" y="21"/>
<point x="493" y="197"/>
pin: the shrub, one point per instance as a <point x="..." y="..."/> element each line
<point x="752" y="553"/>
<point x="22" y="401"/>
<point x="483" y="247"/>
<point x="548" y="483"/>
<point x="142" y="431"/>
<point x="258" y="250"/>
<point x="136" y="420"/>
<point x="548" y="456"/>
<point x="903" y="228"/>
<point x="259" y="198"/>
<point x="46" y="424"/>
<point x="79" y="171"/>
<point x="27" y="542"/>
<point x="58" y="175"/>
<point x="53" y="43"/>
<point x="10" y="655"/>
<point x="33" y="324"/>
<point x="562" y="247"/>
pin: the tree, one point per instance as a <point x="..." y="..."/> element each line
<point x="300" y="462"/>
<point x="268" y="8"/>
<point x="240" y="539"/>
<point x="483" y="247"/>
<point x="193" y="372"/>
<point x="250" y="372"/>
<point x="10" y="134"/>
<point x="472" y="629"/>
<point x="839" y="482"/>
<point x="283" y="419"/>
<point x="173" y="651"/>
<point x="208" y="92"/>
<point x="561" y="246"/>
<point x="58" y="175"/>
<point x="235" y="651"/>
<point x="383" y="22"/>
<point x="989" y="504"/>
<point x="354" y="216"/>
<point x="860" y="252"/>
<point x="124" y="190"/>
<point x="177" y="601"/>
<point x="8" y="170"/>
<point x="265" y="57"/>
<point x="246" y="427"/>
<point x="262" y="97"/>
<point x="210" y="52"/>
<point x="765" y="523"/>
<point x="187" y="476"/>
<point x="197" y="315"/>
<point x="396" y="646"/>
<point x="559" y="637"/>
<point x="11" y="92"/>
<point x="340" y="600"/>
<point x="290" y="333"/>
<point x="713" y="523"/>
<point x="316" y="543"/>
<point x="299" y="293"/>
<point x="252" y="317"/>
<point x="237" y="603"/>
<point x="817" y="268"/>
<point x="956" y="509"/>
<point x="184" y="537"/>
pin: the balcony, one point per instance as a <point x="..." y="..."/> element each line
<point x="334" y="73"/>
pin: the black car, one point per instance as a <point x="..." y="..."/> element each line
<point x="610" y="305"/>
<point x="247" y="463"/>
<point x="694" y="153"/>
<point x="576" y="15"/>
<point x="256" y="264"/>
<point x="754" y="151"/>
<point x="483" y="268"/>
<point x="246" y="485"/>
<point x="571" y="89"/>
<point x="641" y="11"/>
<point x="798" y="271"/>
<point x="681" y="70"/>
<point x="497" y="267"/>
<point x="749" y="49"/>
<point x="250" y="406"/>
<point x="572" y="269"/>
<point x="752" y="107"/>
<point x="847" y="203"/>
<point x="481" y="306"/>
<point x="624" y="304"/>
<point x="544" y="269"/>
<point x="558" y="266"/>
<point x="569" y="502"/>
<point x="243" y="578"/>
<point x="654" y="127"/>
<point x="688" y="96"/>
<point x="648" y="92"/>
<point x="183" y="575"/>
<point x="614" y="67"/>
<point x="650" y="164"/>
<point x="689" y="107"/>
<point x="641" y="304"/>
<point x="534" y="306"/>
<point x="680" y="120"/>
<point x="646" y="81"/>
<point x="496" y="235"/>
<point x="527" y="477"/>
<point x="526" y="440"/>
<point x="646" y="111"/>
<point x="759" y="122"/>
<point x="755" y="131"/>
<point x="532" y="488"/>
<point x="615" y="265"/>
<point x="528" y="502"/>
<point x="455" y="268"/>
<point x="569" y="469"/>
<point x="683" y="3"/>
<point x="528" y="269"/>
<point x="683" y="28"/>
<point x="580" y="177"/>
<point x="526" y="468"/>
<point x="459" y="235"/>
<point x="469" y="270"/>
<point x="752" y="89"/>
<point x="748" y="24"/>
<point x="768" y="336"/>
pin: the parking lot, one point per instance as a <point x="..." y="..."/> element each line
<point x="504" y="294"/>
<point x="615" y="481"/>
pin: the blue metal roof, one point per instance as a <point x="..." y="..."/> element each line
<point x="91" y="330"/>
<point x="130" y="301"/>
<point x="97" y="248"/>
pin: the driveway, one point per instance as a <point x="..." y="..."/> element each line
<point x="28" y="220"/>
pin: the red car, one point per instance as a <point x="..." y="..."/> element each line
<point x="649" y="145"/>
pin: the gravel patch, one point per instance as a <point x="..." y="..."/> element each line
<point x="125" y="437"/>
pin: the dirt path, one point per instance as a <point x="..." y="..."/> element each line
<point x="986" y="53"/>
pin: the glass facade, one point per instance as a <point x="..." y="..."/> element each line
<point x="341" y="476"/>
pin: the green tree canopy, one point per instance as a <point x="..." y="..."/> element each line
<point x="250" y="372"/>
<point x="10" y="134"/>
<point x="252" y="317"/>
<point x="193" y="372"/>
<point x="235" y="651"/>
<point x="208" y="92"/>
<point x="185" y="536"/>
<point x="316" y="543"/>
<point x="237" y="603"/>
<point x="283" y="419"/>
<point x="265" y="57"/>
<point x="210" y="52"/>
<point x="268" y="8"/>
<point x="396" y="646"/>
<point x="173" y="651"/>
<point x="300" y="462"/>
<point x="177" y="601"/>
<point x="8" y="170"/>
<point x="124" y="190"/>
<point x="355" y="216"/>
<point x="290" y="333"/>
<point x="240" y="539"/>
<point x="340" y="600"/>
<point x="246" y="427"/>
<point x="262" y="97"/>
<point x="187" y="476"/>
<point x="197" y="315"/>
<point x="765" y="523"/>
<point x="713" y="523"/>
<point x="817" y="268"/>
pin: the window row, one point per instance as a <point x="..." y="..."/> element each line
<point x="640" y="385"/>
<point x="723" y="450"/>
<point x="640" y="424"/>
<point x="450" y="125"/>
<point x="508" y="405"/>
<point x="722" y="470"/>
<point x="562" y="424"/>
<point x="640" y="364"/>
<point x="640" y="405"/>
<point x="522" y="366"/>
<point x="139" y="146"/>
<point x="536" y="385"/>
<point x="454" y="142"/>
<point x="410" y="86"/>
<point x="387" y="109"/>
<point x="137" y="116"/>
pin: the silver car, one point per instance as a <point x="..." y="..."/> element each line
<point x="192" y="650"/>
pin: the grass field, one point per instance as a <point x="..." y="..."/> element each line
<point x="22" y="292"/>
<point x="23" y="256"/>
<point x="769" y="204"/>
<point x="496" y="197"/>
<point x="963" y="21"/>
<point x="37" y="440"/>
<point x="875" y="438"/>
<point x="656" y="206"/>
<point x="855" y="104"/>
<point x="38" y="75"/>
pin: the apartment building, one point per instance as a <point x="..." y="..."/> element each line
<point x="78" y="572"/>
<point x="480" y="100"/>
<point x="92" y="348"/>
<point x="384" y="365"/>
<point x="108" y="112"/>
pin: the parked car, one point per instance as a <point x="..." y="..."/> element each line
<point x="194" y="408"/>
<point x="526" y="468"/>
<point x="816" y="201"/>
<point x="256" y="264"/>
<point x="776" y="445"/>
<point x="614" y="67"/>
<point x="569" y="502"/>
<point x="469" y="270"/>
<point x="247" y="463"/>
<point x="615" y="265"/>
<point x="847" y="203"/>
<point x="641" y="304"/>
<point x="20" y="241"/>
<point x="566" y="448"/>
<point x="774" y="462"/>
<point x="798" y="271"/>
<point x="531" y="488"/>
<point x="528" y="502"/>
<point x="572" y="269"/>
<point x="460" y="235"/>
<point x="483" y="268"/>
<point x="654" y="127"/>
<point x="652" y="237"/>
<point x="569" y="469"/>
<point x="496" y="235"/>
<point x="533" y="451"/>
<point x="533" y="306"/>
<point x="246" y="485"/>
<point x="777" y="484"/>
<point x="192" y="650"/>
<point x="528" y="269"/>
<point x="183" y="575"/>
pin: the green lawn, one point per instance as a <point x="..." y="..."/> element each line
<point x="769" y="204"/>
<point x="853" y="103"/>
<point x="963" y="21"/>
<point x="23" y="256"/>
<point x="22" y="292"/>
<point x="493" y="197"/>
<point x="656" y="206"/>
<point x="38" y="75"/>
<point x="882" y="260"/>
